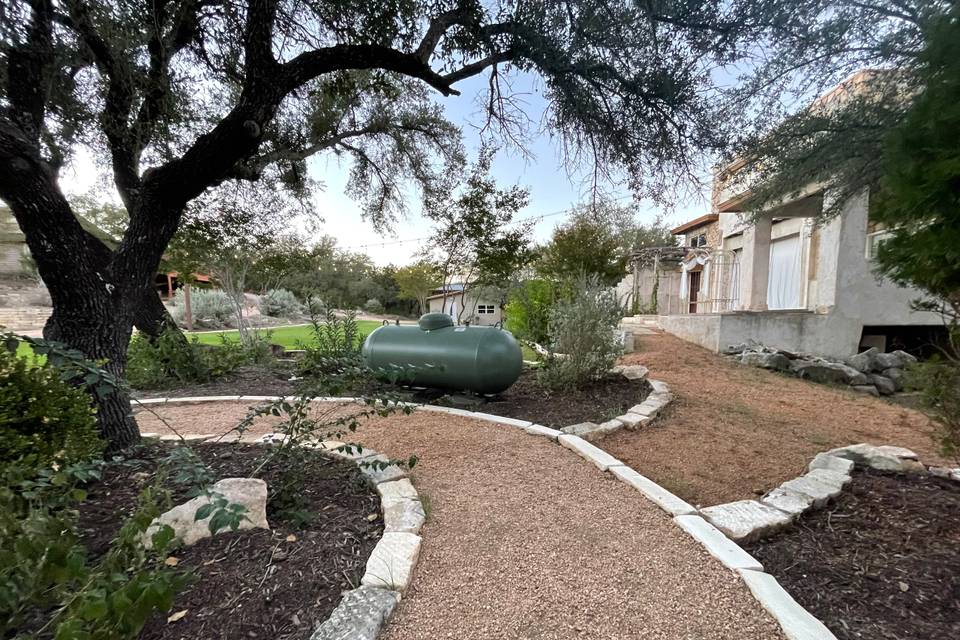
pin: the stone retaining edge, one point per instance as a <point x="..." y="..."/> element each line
<point x="796" y="622"/>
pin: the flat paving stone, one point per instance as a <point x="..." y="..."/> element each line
<point x="717" y="544"/>
<point x="397" y="489"/>
<point x="377" y="474"/>
<point x="659" y="386"/>
<point x="540" y="430"/>
<point x="392" y="561"/>
<point x="653" y="492"/>
<point x="360" y="615"/>
<point x="819" y="492"/>
<point x="403" y="514"/>
<point x="580" y="429"/>
<point x="489" y="417"/>
<point x="633" y="420"/>
<point x="831" y="463"/>
<point x="597" y="456"/>
<point x="646" y="408"/>
<point x="602" y="430"/>
<point x="746" y="520"/>
<point x="787" y="500"/>
<point x="796" y="622"/>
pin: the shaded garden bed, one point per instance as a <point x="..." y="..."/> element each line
<point x="255" y="583"/>
<point x="597" y="402"/>
<point x="881" y="563"/>
<point x="251" y="380"/>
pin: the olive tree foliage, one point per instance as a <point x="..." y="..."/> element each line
<point x="179" y="96"/>
<point x="835" y="141"/>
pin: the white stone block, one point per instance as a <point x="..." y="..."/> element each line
<point x="797" y="623"/>
<point x="600" y="458"/>
<point x="603" y="430"/>
<point x="829" y="477"/>
<point x="831" y="463"/>
<point x="580" y="429"/>
<point x="403" y="515"/>
<point x="540" y="430"/>
<point x="633" y="420"/>
<point x="717" y="544"/>
<point x="647" y="408"/>
<point x="392" y="561"/>
<point x="746" y="520"/>
<point x="653" y="492"/>
<point x="659" y="386"/>
<point x="448" y="410"/>
<point x="260" y="398"/>
<point x="818" y="491"/>
<point x="512" y="422"/>
<point x="149" y="401"/>
<point x="379" y="473"/>
<point x="396" y="490"/>
<point x="788" y="501"/>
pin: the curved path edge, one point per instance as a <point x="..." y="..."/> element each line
<point x="796" y="622"/>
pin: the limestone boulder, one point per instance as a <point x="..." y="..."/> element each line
<point x="884" y="385"/>
<point x="746" y="520"/>
<point x="884" y="458"/>
<point x="895" y="359"/>
<point x="826" y="372"/>
<point x="866" y="389"/>
<point x="248" y="492"/>
<point x="895" y="375"/>
<point x="865" y="361"/>
<point x="774" y="361"/>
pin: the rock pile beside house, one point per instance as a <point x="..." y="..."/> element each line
<point x="872" y="371"/>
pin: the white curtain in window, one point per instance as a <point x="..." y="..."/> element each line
<point x="783" y="285"/>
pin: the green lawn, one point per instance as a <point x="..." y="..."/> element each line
<point x="288" y="337"/>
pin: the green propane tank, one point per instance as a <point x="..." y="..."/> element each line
<point x="438" y="354"/>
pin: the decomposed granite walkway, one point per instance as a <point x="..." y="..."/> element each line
<point x="524" y="539"/>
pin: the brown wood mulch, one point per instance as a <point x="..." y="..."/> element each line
<point x="598" y="402"/>
<point x="254" y="380"/>
<point x="280" y="583"/>
<point x="734" y="431"/>
<point x="880" y="563"/>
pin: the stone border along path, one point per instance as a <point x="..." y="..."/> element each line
<point x="796" y="622"/>
<point x="636" y="416"/>
<point x="827" y="474"/>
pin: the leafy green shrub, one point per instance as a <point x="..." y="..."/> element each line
<point x="49" y="584"/>
<point x="373" y="306"/>
<point x="43" y="416"/>
<point x="528" y="310"/>
<point x="335" y="346"/>
<point x="938" y="381"/>
<point x="582" y="337"/>
<point x="171" y="359"/>
<point x="210" y="307"/>
<point x="280" y="303"/>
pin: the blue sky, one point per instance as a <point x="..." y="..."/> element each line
<point x="552" y="190"/>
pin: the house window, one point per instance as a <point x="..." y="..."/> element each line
<point x="485" y="309"/>
<point x="698" y="241"/>
<point x="874" y="240"/>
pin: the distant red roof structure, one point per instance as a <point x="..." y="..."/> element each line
<point x="693" y="224"/>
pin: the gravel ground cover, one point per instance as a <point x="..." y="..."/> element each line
<point x="734" y="431"/>
<point x="880" y="563"/>
<point x="524" y="539"/>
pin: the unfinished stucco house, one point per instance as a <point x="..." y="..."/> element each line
<point x="784" y="281"/>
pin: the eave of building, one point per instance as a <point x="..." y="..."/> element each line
<point x="693" y="224"/>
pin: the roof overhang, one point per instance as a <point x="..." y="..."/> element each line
<point x="693" y="224"/>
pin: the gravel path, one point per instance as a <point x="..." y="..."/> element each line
<point x="734" y="431"/>
<point x="526" y="540"/>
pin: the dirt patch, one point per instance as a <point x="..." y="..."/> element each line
<point x="735" y="431"/>
<point x="880" y="563"/>
<point x="273" y="380"/>
<point x="599" y="402"/>
<point x="257" y="583"/>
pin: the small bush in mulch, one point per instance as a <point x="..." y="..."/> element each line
<point x="883" y="562"/>
<point x="596" y="402"/>
<point x="255" y="583"/>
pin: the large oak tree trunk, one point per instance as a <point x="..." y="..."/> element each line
<point x="98" y="324"/>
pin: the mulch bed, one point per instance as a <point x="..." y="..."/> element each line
<point x="253" y="583"/>
<point x="271" y="380"/>
<point x="883" y="562"/>
<point x="599" y="402"/>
